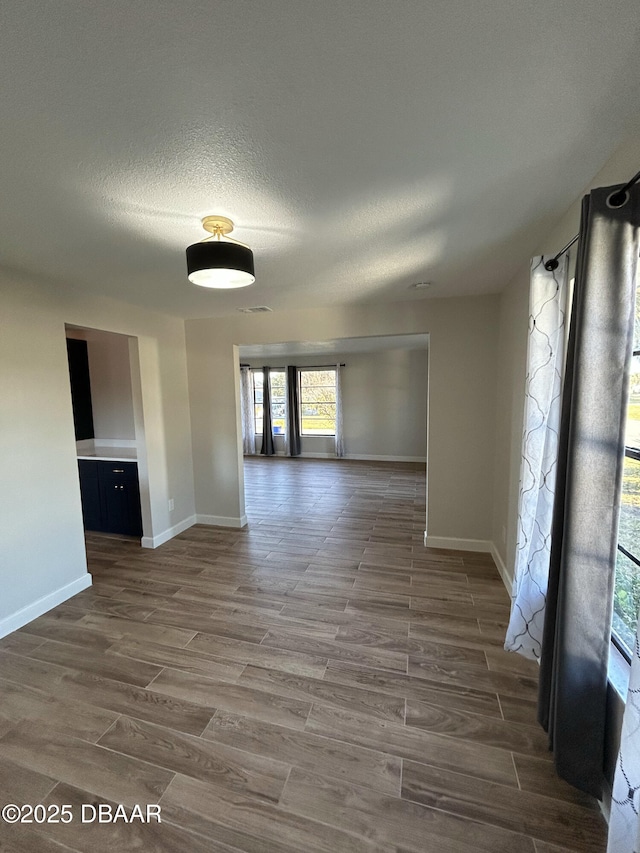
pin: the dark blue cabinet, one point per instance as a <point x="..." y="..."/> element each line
<point x="110" y="496"/>
<point x="90" y="494"/>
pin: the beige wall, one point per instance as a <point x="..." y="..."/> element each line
<point x="41" y="535"/>
<point x="512" y="352"/>
<point x="463" y="343"/>
<point x="384" y="401"/>
<point x="111" y="387"/>
<point x="111" y="392"/>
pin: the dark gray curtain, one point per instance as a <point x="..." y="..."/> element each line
<point x="268" y="447"/>
<point x="575" y="648"/>
<point x="293" y="411"/>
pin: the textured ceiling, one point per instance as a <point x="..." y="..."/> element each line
<point x="359" y="145"/>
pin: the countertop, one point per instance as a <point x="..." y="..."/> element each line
<point x="109" y="454"/>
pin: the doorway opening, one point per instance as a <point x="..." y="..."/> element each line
<point x="104" y="374"/>
<point x="384" y="399"/>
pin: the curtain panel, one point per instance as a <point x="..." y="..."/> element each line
<point x="247" y="412"/>
<point x="575" y="647"/>
<point x="268" y="446"/>
<point x="339" y="414"/>
<point x="545" y="364"/>
<point x="293" y="412"/>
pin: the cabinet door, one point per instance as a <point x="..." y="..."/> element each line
<point x="120" y="500"/>
<point x="90" y="494"/>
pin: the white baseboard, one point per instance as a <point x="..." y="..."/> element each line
<point x="42" y="605"/>
<point x="282" y="455"/>
<point x="169" y="533"/>
<point x="482" y="545"/>
<point x="507" y="580"/>
<point x="376" y="458"/>
<point x="363" y="457"/>
<point x="453" y="544"/>
<point x="222" y="520"/>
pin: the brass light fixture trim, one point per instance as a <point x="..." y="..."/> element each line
<point x="217" y="226"/>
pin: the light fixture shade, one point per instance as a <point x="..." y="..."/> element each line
<point x="220" y="264"/>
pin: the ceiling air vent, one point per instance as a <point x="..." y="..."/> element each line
<point x="258" y="309"/>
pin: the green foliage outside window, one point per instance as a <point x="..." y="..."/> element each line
<point x="627" y="588"/>
<point x="626" y="602"/>
<point x="317" y="402"/>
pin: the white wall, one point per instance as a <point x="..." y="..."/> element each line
<point x="110" y="378"/>
<point x="384" y="400"/>
<point x="42" y="557"/>
<point x="111" y="393"/>
<point x="385" y="404"/>
<point x="512" y="353"/>
<point x="463" y="344"/>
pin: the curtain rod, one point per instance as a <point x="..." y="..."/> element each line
<point x="301" y="367"/>
<point x="617" y="199"/>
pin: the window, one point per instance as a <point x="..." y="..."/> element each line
<point x="317" y="401"/>
<point x="278" y="385"/>
<point x="278" y="401"/>
<point x="257" y="399"/>
<point x="627" y="586"/>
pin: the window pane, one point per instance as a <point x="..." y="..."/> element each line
<point x="257" y="400"/>
<point x="318" y="426"/>
<point x="322" y="410"/>
<point x="629" y="529"/>
<point x="319" y="394"/>
<point x="317" y="377"/>
<point x="317" y="402"/>
<point x="625" y="603"/>
<point x="278" y="417"/>
<point x="632" y="436"/>
<point x="278" y="383"/>
<point x="627" y="587"/>
<point x="278" y="386"/>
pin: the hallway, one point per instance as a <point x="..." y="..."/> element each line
<point x="318" y="681"/>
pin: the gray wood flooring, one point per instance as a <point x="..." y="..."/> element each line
<point x="318" y="681"/>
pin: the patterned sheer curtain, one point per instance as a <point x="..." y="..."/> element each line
<point x="624" y="824"/>
<point x="247" y="412"/>
<point x="545" y="361"/>
<point x="339" y="425"/>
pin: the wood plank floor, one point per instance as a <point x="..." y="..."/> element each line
<point x="318" y="681"/>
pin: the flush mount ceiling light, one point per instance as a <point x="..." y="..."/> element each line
<point x="217" y="262"/>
